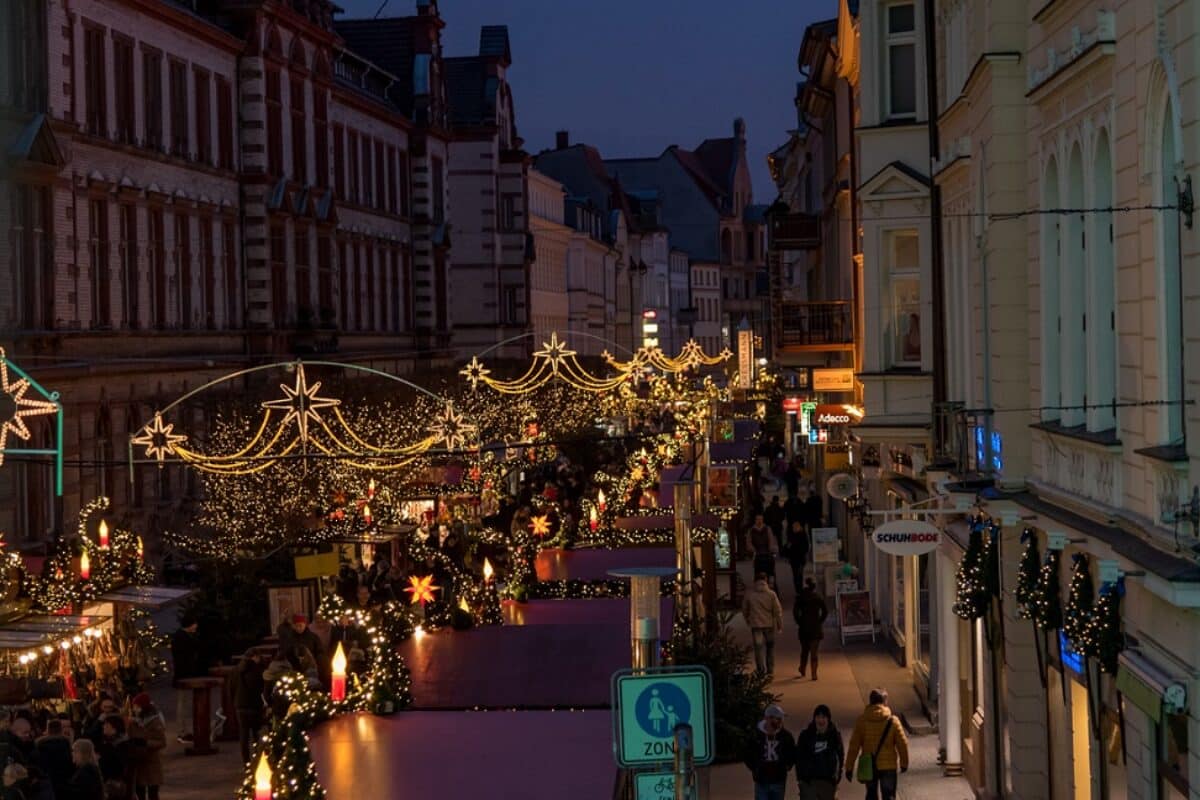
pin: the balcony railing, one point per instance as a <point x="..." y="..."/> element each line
<point x="795" y="232"/>
<point x="819" y="324"/>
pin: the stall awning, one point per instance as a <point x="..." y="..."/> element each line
<point x="152" y="597"/>
<point x="40" y="629"/>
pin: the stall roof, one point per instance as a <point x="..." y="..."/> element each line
<point x="39" y="629"/>
<point x="147" y="596"/>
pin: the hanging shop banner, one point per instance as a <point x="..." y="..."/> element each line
<point x="833" y="380"/>
<point x="825" y="546"/>
<point x="746" y="359"/>
<point x="829" y="414"/>
<point x="907" y="537"/>
<point x="841" y="486"/>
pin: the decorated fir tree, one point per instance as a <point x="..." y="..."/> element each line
<point x="975" y="583"/>
<point x="1079" y="602"/>
<point x="1027" y="575"/>
<point x="388" y="686"/>
<point x="1046" y="607"/>
<point x="1102" y="638"/>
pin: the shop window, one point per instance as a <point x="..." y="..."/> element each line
<point x="1173" y="757"/>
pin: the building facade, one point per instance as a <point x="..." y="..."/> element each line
<point x="549" y="307"/>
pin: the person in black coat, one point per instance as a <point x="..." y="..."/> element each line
<point x="87" y="783"/>
<point x="814" y="509"/>
<point x="810" y="612"/>
<point x="114" y="751"/>
<point x="53" y="755"/>
<point x="797" y="554"/>
<point x="190" y="661"/>
<point x="774" y="516"/>
<point x="820" y="756"/>
<point x="248" y="690"/>
<point x="771" y="754"/>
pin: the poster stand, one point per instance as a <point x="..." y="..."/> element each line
<point x="854" y="612"/>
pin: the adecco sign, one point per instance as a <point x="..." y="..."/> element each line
<point x="830" y="414"/>
<point x="907" y="537"/>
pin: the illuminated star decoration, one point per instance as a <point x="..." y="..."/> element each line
<point x="421" y="589"/>
<point x="158" y="439"/>
<point x="301" y="403"/>
<point x="15" y="407"/>
<point x="474" y="372"/>
<point x="554" y="351"/>
<point x="540" y="525"/>
<point x="451" y="429"/>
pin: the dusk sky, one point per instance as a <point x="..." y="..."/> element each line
<point x="634" y="76"/>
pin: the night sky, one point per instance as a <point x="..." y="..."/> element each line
<point x="634" y="76"/>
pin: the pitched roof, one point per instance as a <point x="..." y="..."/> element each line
<point x="493" y="42"/>
<point x="719" y="157"/>
<point x="695" y="167"/>
<point x="581" y="170"/>
<point x="467" y="87"/>
<point x="388" y="43"/>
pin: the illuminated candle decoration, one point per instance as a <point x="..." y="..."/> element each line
<point x="262" y="779"/>
<point x="488" y="572"/>
<point x="593" y="520"/>
<point x="85" y="566"/>
<point x="366" y="514"/>
<point x="141" y="549"/>
<point x="103" y="535"/>
<point x="419" y="632"/>
<point x="371" y="488"/>
<point x="337" y="688"/>
<point x="462" y="605"/>
<point x="601" y="502"/>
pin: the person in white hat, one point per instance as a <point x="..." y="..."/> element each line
<point x="771" y="755"/>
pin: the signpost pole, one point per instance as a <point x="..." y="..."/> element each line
<point x="685" y="767"/>
<point x="683" y="550"/>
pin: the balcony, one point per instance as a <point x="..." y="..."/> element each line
<point x="794" y="231"/>
<point x="806" y="327"/>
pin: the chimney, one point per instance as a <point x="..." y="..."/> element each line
<point x="562" y="140"/>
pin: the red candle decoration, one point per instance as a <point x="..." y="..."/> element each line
<point x="593" y="520"/>
<point x="366" y="514"/>
<point x="601" y="502"/>
<point x="262" y="779"/>
<point x="103" y="535"/>
<point x="85" y="566"/>
<point x="371" y="488"/>
<point x="337" y="688"/>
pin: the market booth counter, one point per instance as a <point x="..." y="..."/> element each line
<point x="49" y="658"/>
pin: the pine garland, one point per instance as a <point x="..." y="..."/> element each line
<point x="1046" y="608"/>
<point x="1027" y="575"/>
<point x="1079" y="602"/>
<point x="1103" y="639"/>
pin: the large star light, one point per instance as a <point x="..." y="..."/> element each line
<point x="451" y="429"/>
<point x="15" y="407"/>
<point x="474" y="372"/>
<point x="159" y="439"/>
<point x="301" y="403"/>
<point x="421" y="589"/>
<point x="540" y="525"/>
<point x="554" y="351"/>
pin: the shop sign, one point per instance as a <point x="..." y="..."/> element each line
<point x="907" y="537"/>
<point x="792" y="404"/>
<point x="745" y="359"/>
<point x="806" y="411"/>
<point x="841" y="486"/>
<point x="818" y="435"/>
<point x="827" y="414"/>
<point x="825" y="547"/>
<point x="833" y="380"/>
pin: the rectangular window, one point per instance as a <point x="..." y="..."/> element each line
<point x="352" y="145"/>
<point x="438" y="184"/>
<point x="320" y="137"/>
<point x="94" y="81"/>
<point x="203" y="116"/>
<point x="232" y="284"/>
<point x="156" y="251"/>
<point x="901" y="60"/>
<point x="101" y="276"/>
<point x="356" y="268"/>
<point x="130" y="274"/>
<point x="152" y="99"/>
<point x="404" y="183"/>
<point x="183" y="268"/>
<point x="396" y="291"/>
<point x="299" y="109"/>
<point x="370" y="293"/>
<point x="274" y="123"/>
<point x="902" y="251"/>
<point x="123" y="88"/>
<point x="339" y="162"/>
<point x="508" y="213"/>
<point x="23" y="61"/>
<point x="1173" y="756"/>
<point x="303" y="276"/>
<point x="179" y="109"/>
<point x="368" y="175"/>
<point x="391" y="180"/>
<point x="380" y="177"/>
<point x="344" y="287"/>
<point x="279" y="276"/>
<point x="224" y="124"/>
<point x="208" y="276"/>
<point x="325" y="312"/>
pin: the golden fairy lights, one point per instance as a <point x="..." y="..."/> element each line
<point x="17" y="407"/>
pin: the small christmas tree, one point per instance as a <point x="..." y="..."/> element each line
<point x="1027" y="575"/>
<point x="1103" y="639"/>
<point x="1080" y="599"/>
<point x="975" y="585"/>
<point x="1047" y="601"/>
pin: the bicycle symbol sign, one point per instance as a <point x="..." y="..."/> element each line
<point x="646" y="708"/>
<point x="655" y="786"/>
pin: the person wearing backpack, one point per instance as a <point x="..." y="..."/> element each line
<point x="880" y="747"/>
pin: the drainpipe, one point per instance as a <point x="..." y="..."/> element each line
<point x="937" y="263"/>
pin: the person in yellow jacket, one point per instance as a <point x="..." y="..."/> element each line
<point x="880" y="734"/>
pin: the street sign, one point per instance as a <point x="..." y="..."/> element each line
<point x="907" y="537"/>
<point x="654" y="786"/>
<point x="647" y="706"/>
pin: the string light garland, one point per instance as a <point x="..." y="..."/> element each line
<point x="18" y="407"/>
<point x="1080" y="599"/>
<point x="977" y="579"/>
<point x="1046" y="605"/>
<point x="1102" y="637"/>
<point x="1027" y="574"/>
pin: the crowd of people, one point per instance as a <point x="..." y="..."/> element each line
<point x="876" y="754"/>
<point x="112" y="752"/>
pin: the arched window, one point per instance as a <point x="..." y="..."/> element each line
<point x="1170" y="351"/>
<point x="1072" y="291"/>
<point x="1051" y="346"/>
<point x="1101" y="329"/>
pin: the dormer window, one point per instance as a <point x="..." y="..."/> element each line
<point x="901" y="61"/>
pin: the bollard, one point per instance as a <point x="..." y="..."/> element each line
<point x="685" y="766"/>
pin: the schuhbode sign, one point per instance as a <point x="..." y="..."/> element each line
<point x="907" y="537"/>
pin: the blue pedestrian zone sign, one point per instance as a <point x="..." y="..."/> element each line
<point x="647" y="706"/>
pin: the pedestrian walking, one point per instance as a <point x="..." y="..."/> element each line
<point x="879" y="744"/>
<point x="764" y="615"/>
<point x="810" y="612"/>
<point x="190" y="661"/>
<point x="765" y="546"/>
<point x="770" y="756"/>
<point x="774" y="516"/>
<point x="814" y="508"/>
<point x="88" y="782"/>
<point x="819" y="757"/>
<point x="148" y="738"/>
<point x="797" y="554"/>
